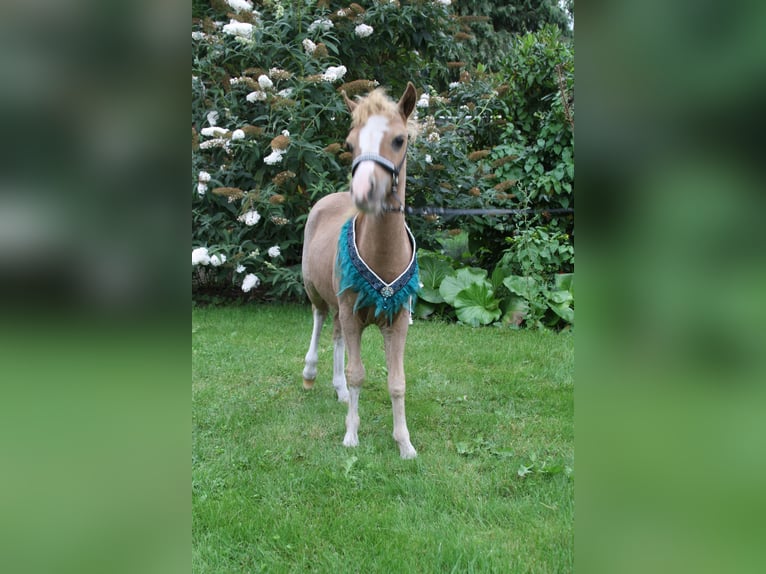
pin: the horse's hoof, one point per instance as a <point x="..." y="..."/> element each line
<point x="350" y="441"/>
<point x="308" y="385"/>
<point x="343" y="397"/>
<point x="408" y="452"/>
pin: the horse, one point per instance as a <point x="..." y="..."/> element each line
<point x="359" y="258"/>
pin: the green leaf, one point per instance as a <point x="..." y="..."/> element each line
<point x="433" y="269"/>
<point x="524" y="470"/>
<point x="476" y="305"/>
<point x="349" y="464"/>
<point x="516" y="310"/>
<point x="424" y="309"/>
<point x="498" y="275"/>
<point x="564" y="282"/>
<point x="453" y="284"/>
<point x="560" y="297"/>
<point x="564" y="311"/>
<point x="522" y="286"/>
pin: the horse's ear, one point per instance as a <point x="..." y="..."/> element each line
<point x="349" y="104"/>
<point x="407" y="101"/>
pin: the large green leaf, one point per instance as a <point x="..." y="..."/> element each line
<point x="516" y="309"/>
<point x="456" y="246"/>
<point x="453" y="284"/>
<point x="564" y="311"/>
<point x="561" y="301"/>
<point x="433" y="269"/>
<point x="564" y="282"/>
<point x="522" y="286"/>
<point x="423" y="309"/>
<point x="560" y="297"/>
<point x="476" y="304"/>
<point x="498" y="276"/>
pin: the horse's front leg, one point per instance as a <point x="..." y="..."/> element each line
<point x="352" y="335"/>
<point x="394" y="337"/>
<point x="338" y="363"/>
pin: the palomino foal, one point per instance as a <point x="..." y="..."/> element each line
<point x="359" y="258"/>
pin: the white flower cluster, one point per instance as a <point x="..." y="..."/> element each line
<point x="274" y="251"/>
<point x="250" y="281"/>
<point x="265" y="82"/>
<point x="220" y="137"/>
<point x="309" y="46"/>
<point x="444" y="2"/>
<point x="323" y="24"/>
<point x="217" y="133"/>
<point x="276" y="154"/>
<point x="453" y="85"/>
<point x="256" y="96"/>
<point x="274" y="157"/>
<point x="200" y="256"/>
<point x="215" y="142"/>
<point x="202" y="178"/>
<point x="363" y="30"/>
<point x="279" y="74"/>
<point x="213" y="131"/>
<point x="240" y="5"/>
<point x="334" y="73"/>
<point x="250" y="218"/>
<point x="239" y="29"/>
<point x="424" y="101"/>
<point x="260" y="96"/>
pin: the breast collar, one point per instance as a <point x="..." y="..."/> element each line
<point x="388" y="298"/>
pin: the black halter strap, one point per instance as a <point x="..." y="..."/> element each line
<point x="384" y="163"/>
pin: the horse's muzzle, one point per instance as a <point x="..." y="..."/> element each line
<point x="368" y="188"/>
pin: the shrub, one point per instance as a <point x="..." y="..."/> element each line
<point x="532" y="284"/>
<point x="268" y="120"/>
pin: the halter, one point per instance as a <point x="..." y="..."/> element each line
<point x="389" y="166"/>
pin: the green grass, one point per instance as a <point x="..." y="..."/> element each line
<point x="274" y="490"/>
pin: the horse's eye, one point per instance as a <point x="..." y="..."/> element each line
<point x="350" y="147"/>
<point x="398" y="142"/>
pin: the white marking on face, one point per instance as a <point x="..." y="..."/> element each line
<point x="370" y="137"/>
<point x="372" y="134"/>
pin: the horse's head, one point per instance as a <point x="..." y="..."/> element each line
<point x="378" y="142"/>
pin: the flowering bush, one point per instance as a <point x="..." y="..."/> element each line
<point x="268" y="121"/>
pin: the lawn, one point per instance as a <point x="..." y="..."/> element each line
<point x="490" y="411"/>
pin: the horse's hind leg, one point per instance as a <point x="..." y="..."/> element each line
<point x="312" y="357"/>
<point x="338" y="363"/>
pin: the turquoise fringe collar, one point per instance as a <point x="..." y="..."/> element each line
<point x="355" y="274"/>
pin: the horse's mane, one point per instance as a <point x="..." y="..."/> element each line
<point x="376" y="103"/>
